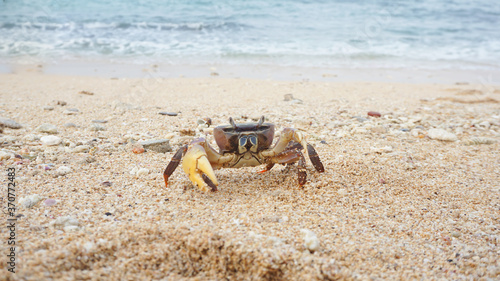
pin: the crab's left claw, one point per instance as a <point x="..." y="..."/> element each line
<point x="199" y="169"/>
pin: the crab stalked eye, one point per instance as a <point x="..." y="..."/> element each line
<point x="242" y="144"/>
<point x="253" y="140"/>
<point x="243" y="141"/>
<point x="253" y="143"/>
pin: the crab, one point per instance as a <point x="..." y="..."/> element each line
<point x="242" y="145"/>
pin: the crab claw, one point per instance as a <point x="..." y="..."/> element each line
<point x="199" y="169"/>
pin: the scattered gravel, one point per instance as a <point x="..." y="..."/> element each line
<point x="392" y="201"/>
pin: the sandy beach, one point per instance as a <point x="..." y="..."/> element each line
<point x="411" y="195"/>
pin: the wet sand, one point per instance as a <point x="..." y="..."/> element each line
<point x="398" y="200"/>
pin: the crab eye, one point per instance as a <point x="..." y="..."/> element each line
<point x="253" y="140"/>
<point x="243" y="141"/>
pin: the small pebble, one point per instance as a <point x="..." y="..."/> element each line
<point x="30" y="201"/>
<point x="385" y="149"/>
<point x="49" y="202"/>
<point x="160" y="146"/>
<point x="81" y="149"/>
<point x="138" y="150"/>
<point x="288" y="97"/>
<point x="106" y="183"/>
<point x="296" y="101"/>
<point x="100" y="121"/>
<point x="97" y="127"/>
<point x="440" y="134"/>
<point x="69" y="125"/>
<point x="63" y="170"/>
<point x="31" y="137"/>
<point x="108" y="214"/>
<point x="374" y="114"/>
<point x="342" y="192"/>
<point x="142" y="172"/>
<point x="7" y="139"/>
<point x="379" y="129"/>
<point x="67" y="223"/>
<point x="61" y="103"/>
<point x="50" y="140"/>
<point x="86" y="93"/>
<point x="5" y="155"/>
<point x="134" y="171"/>
<point x="47" y="128"/>
<point x="9" y="123"/>
<point x="168" y="113"/>
<point x="71" y="111"/>
<point x="48" y="108"/>
<point x="360" y="119"/>
<point x="311" y="241"/>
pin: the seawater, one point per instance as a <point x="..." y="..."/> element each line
<point x="377" y="33"/>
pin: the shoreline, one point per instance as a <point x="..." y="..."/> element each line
<point x="260" y="72"/>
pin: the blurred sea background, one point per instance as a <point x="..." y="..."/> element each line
<point x="428" y="34"/>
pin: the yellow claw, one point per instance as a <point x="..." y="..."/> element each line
<point x="195" y="164"/>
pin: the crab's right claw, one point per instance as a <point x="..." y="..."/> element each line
<point x="199" y="169"/>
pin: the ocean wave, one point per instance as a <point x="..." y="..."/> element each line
<point x="141" y="25"/>
<point x="301" y="32"/>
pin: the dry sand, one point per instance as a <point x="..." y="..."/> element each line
<point x="392" y="204"/>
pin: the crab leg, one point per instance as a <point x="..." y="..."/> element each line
<point x="174" y="163"/>
<point x="267" y="168"/>
<point x="291" y="155"/>
<point x="299" y="142"/>
<point x="313" y="156"/>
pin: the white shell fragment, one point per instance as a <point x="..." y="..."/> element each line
<point x="4" y="155"/>
<point x="67" y="223"/>
<point x="440" y="134"/>
<point x="311" y="241"/>
<point x="47" y="128"/>
<point x="63" y="170"/>
<point x="81" y="149"/>
<point x="30" y="201"/>
<point x="385" y="149"/>
<point x="50" y="140"/>
<point x="142" y="172"/>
